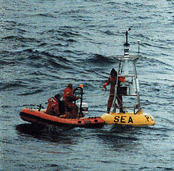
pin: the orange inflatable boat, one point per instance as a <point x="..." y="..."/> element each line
<point x="42" y="118"/>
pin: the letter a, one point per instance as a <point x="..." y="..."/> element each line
<point x="130" y="120"/>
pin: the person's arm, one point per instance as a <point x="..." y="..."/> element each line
<point x="56" y="109"/>
<point x="107" y="83"/>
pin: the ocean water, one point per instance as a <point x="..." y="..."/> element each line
<point x="47" y="44"/>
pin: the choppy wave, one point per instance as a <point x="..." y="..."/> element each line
<point x="47" y="44"/>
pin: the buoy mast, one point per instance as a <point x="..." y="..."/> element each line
<point x="130" y="89"/>
<point x="126" y="95"/>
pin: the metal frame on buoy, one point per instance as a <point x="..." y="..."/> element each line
<point x="127" y="69"/>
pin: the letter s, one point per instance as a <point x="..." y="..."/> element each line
<point x="116" y="119"/>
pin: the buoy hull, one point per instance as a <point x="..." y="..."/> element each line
<point x="139" y="119"/>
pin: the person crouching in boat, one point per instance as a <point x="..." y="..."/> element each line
<point x="69" y="98"/>
<point x="112" y="80"/>
<point x="53" y="106"/>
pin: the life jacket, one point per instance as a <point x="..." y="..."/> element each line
<point x="68" y="95"/>
<point x="112" y="80"/>
<point x="53" y="107"/>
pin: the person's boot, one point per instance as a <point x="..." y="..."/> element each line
<point x="122" y="111"/>
<point x="108" y="110"/>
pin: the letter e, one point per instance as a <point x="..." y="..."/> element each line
<point x="123" y="119"/>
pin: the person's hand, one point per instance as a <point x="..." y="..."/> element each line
<point x="104" y="88"/>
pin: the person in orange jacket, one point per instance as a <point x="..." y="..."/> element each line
<point x="112" y="80"/>
<point x="53" y="106"/>
<point x="69" y="98"/>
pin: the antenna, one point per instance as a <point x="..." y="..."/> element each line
<point x="138" y="47"/>
<point x="126" y="45"/>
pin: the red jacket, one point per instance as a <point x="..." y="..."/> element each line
<point x="112" y="80"/>
<point x="68" y="95"/>
<point x="53" y="107"/>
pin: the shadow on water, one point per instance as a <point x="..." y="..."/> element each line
<point x="43" y="133"/>
<point x="119" y="137"/>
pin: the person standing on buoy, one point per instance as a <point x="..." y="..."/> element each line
<point x="69" y="98"/>
<point x="112" y="80"/>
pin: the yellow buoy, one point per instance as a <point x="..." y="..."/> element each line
<point x="138" y="119"/>
<point x="126" y="93"/>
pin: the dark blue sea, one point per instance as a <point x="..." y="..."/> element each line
<point x="46" y="44"/>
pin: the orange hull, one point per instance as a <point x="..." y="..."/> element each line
<point x="34" y="116"/>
